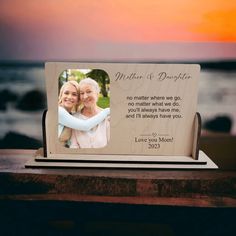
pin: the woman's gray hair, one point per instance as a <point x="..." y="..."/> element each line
<point x="91" y="82"/>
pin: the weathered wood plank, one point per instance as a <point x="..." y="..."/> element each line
<point x="202" y="188"/>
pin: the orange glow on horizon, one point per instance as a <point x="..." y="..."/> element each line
<point x="140" y="21"/>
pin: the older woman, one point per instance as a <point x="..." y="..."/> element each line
<point x="99" y="135"/>
<point x="68" y="102"/>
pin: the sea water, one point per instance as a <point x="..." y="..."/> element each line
<point x="20" y="79"/>
<point x="217" y="95"/>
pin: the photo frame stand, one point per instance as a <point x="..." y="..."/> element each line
<point x="198" y="159"/>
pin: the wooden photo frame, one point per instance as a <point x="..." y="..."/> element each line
<point x="152" y="121"/>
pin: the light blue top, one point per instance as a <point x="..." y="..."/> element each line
<point x="68" y="120"/>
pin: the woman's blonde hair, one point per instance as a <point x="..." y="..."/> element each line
<point x="66" y="133"/>
<point x="76" y="85"/>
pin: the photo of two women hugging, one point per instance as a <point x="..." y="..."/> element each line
<point x="82" y="122"/>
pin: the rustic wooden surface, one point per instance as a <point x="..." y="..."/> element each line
<point x="195" y="188"/>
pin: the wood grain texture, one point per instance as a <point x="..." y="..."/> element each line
<point x="204" y="188"/>
<point x="136" y="82"/>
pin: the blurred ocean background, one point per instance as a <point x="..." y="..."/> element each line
<point x="23" y="99"/>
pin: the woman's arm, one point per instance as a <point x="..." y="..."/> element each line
<point x="66" y="119"/>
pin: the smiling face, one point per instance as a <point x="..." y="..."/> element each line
<point x="69" y="97"/>
<point x="88" y="95"/>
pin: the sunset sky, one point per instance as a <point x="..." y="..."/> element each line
<point x="117" y="29"/>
